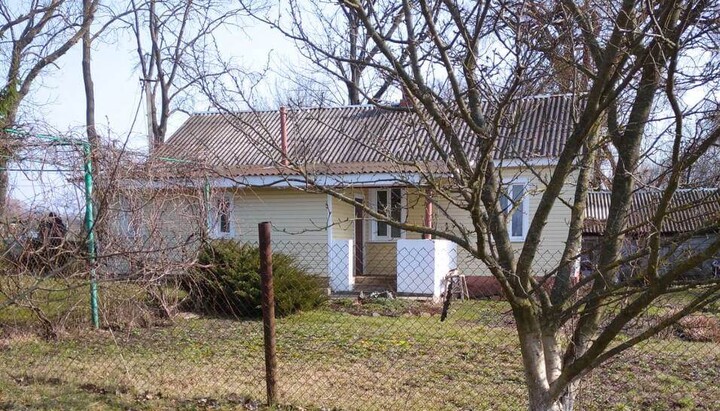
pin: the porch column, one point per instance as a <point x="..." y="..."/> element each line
<point x="422" y="266"/>
<point x="340" y="265"/>
<point x="428" y="213"/>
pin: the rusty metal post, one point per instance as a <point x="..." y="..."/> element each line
<point x="268" y="312"/>
<point x="428" y="221"/>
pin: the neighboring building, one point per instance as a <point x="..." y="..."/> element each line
<point x="692" y="222"/>
<point x="375" y="156"/>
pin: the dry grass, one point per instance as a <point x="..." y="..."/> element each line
<point x="700" y="328"/>
<point x="367" y="358"/>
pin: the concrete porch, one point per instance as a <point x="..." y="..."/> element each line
<point x="406" y="267"/>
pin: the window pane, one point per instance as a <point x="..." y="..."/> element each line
<point x="224" y="223"/>
<point x="504" y="203"/>
<point x="517" y="229"/>
<point x="517" y="223"/>
<point x="395" y="232"/>
<point x="382" y="202"/>
<point x="224" y="215"/>
<point x="396" y="195"/>
<point x="396" y="205"/>
<point x="517" y="192"/>
<point x="396" y="210"/>
<point x="382" y="229"/>
<point x="382" y="208"/>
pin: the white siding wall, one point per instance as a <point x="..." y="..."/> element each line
<point x="161" y="228"/>
<point x="554" y="233"/>
<point x="302" y="218"/>
<point x="295" y="215"/>
<point x="299" y="222"/>
<point x="343" y="217"/>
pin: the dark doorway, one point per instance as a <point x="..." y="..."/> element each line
<point x="359" y="238"/>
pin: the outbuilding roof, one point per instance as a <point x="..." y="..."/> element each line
<point x="689" y="210"/>
<point x="360" y="139"/>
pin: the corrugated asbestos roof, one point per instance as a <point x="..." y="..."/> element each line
<point x="358" y="139"/>
<point x="689" y="210"/>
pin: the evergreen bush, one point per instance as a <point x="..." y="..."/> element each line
<point x="226" y="281"/>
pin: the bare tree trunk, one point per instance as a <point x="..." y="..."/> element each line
<point x="88" y="82"/>
<point x="534" y="362"/>
<point x="8" y="109"/>
<point x="4" y="182"/>
<point x="573" y="247"/>
<point x="99" y="200"/>
<point x="567" y="399"/>
<point x="355" y="70"/>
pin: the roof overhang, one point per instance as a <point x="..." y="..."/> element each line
<point x="321" y="180"/>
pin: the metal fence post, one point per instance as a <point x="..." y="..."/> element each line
<point x="268" y="311"/>
<point x="89" y="212"/>
<point x="90" y="227"/>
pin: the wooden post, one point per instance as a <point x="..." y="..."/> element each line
<point x="428" y="222"/>
<point x="268" y="311"/>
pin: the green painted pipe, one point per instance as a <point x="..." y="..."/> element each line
<point x="89" y="212"/>
<point x="90" y="228"/>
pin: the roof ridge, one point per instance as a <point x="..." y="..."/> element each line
<point x="250" y="111"/>
<point x="350" y="106"/>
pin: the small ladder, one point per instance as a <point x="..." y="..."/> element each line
<point x="457" y="284"/>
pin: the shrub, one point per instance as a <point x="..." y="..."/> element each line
<point x="227" y="281"/>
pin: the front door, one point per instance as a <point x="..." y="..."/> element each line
<point x="359" y="238"/>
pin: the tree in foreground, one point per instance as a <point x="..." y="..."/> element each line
<point x="630" y="68"/>
<point x="35" y="35"/>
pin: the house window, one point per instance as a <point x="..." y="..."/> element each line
<point x="389" y="202"/>
<point x="516" y="206"/>
<point x="221" y="216"/>
<point x="128" y="218"/>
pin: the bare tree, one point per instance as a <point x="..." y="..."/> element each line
<point x="304" y="91"/>
<point x="466" y="66"/>
<point x="88" y="17"/>
<point x="174" y="44"/>
<point x="46" y="242"/>
<point x="34" y="37"/>
<point x="705" y="172"/>
<point x="336" y="42"/>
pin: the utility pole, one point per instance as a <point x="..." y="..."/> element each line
<point x="149" y="114"/>
<point x="149" y="105"/>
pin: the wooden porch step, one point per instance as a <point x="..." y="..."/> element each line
<point x="372" y="283"/>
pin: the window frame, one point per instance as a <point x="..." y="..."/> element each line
<point x="214" y="218"/>
<point x="129" y="223"/>
<point x="374" y="222"/>
<point x="524" y="208"/>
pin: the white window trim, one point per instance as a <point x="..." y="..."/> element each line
<point x="373" y="222"/>
<point x="525" y="209"/>
<point x="214" y="217"/>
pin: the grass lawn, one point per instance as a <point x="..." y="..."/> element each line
<point x="389" y="355"/>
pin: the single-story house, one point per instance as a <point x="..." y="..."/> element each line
<point x="692" y="222"/>
<point x="374" y="156"/>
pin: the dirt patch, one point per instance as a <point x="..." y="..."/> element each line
<point x="92" y="388"/>
<point x="27" y="380"/>
<point x="698" y="328"/>
<point x="386" y="307"/>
